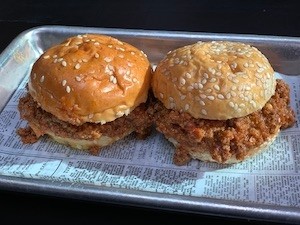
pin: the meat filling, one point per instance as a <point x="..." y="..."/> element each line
<point x="138" y="120"/>
<point x="226" y="138"/>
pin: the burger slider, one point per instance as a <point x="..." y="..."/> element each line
<point x="87" y="92"/>
<point x="219" y="101"/>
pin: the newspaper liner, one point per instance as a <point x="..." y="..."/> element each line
<point x="270" y="177"/>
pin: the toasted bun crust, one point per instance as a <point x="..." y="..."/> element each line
<point x="90" y="78"/>
<point x="204" y="155"/>
<point x="216" y="80"/>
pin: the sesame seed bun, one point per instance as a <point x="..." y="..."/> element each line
<point x="219" y="102"/>
<point x="90" y="78"/>
<point x="216" y="80"/>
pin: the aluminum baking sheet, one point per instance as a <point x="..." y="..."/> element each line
<point x="16" y="61"/>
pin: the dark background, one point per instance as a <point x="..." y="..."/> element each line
<point x="243" y="17"/>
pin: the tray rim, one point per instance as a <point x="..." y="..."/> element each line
<point x="192" y="204"/>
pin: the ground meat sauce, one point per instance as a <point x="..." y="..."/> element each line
<point x="226" y="138"/>
<point x="138" y="120"/>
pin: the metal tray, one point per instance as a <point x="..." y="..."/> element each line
<point x="283" y="53"/>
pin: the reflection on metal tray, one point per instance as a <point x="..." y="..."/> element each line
<point x="16" y="61"/>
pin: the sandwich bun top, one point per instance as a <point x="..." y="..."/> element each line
<point x="90" y="78"/>
<point x="215" y="80"/>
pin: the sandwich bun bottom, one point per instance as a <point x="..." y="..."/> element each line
<point x="203" y="154"/>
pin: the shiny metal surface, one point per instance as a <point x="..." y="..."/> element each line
<point x="15" y="63"/>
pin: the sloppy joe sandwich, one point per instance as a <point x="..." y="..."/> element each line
<point x="87" y="92"/>
<point x="219" y="101"/>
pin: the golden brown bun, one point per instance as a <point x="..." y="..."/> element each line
<point x="90" y="78"/>
<point x="204" y="155"/>
<point x="216" y="80"/>
<point x="88" y="145"/>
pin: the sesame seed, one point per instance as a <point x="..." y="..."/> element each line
<point x="54" y="56"/>
<point x="182" y="97"/>
<point x="60" y="59"/>
<point x="188" y="75"/>
<point x="202" y="102"/>
<point x="121" y="49"/>
<point x="110" y="46"/>
<point x="161" y="95"/>
<point x="64" y="63"/>
<point x="91" y="116"/>
<point x="213" y="71"/>
<point x="259" y="70"/>
<point x="253" y="103"/>
<point x="220" y="96"/>
<point x="55" y="60"/>
<point x="203" y="81"/>
<point x="68" y="89"/>
<point x="231" y="104"/>
<point x="96" y="43"/>
<point x="186" y="107"/>
<point x="129" y="64"/>
<point x="182" y="81"/>
<point x="77" y="66"/>
<point x="235" y="80"/>
<point x="171" y="99"/>
<point x="205" y="75"/>
<point x="128" y="72"/>
<point x="217" y="87"/>
<point x="212" y="80"/>
<point x="203" y="111"/>
<point x="121" y="56"/>
<point x="114" y="80"/>
<point x="34" y="76"/>
<point x="42" y="79"/>
<point x="134" y="80"/>
<point x="96" y="55"/>
<point x="111" y="78"/>
<point x="132" y="53"/>
<point x="107" y="59"/>
<point x="63" y="82"/>
<point x="80" y="60"/>
<point x="246" y="65"/>
<point x="85" y="60"/>
<point x="200" y="86"/>
<point x="196" y="85"/>
<point x="228" y="95"/>
<point x="46" y="57"/>
<point x="190" y="88"/>
<point x="234" y="65"/>
<point x="78" y="78"/>
<point x="233" y="93"/>
<point x="210" y="97"/>
<point x="172" y="105"/>
<point x="203" y="96"/>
